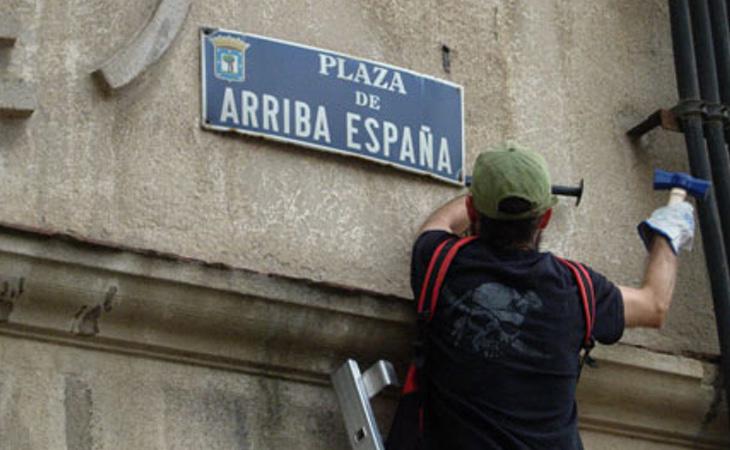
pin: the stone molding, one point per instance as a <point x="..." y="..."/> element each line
<point x="656" y="397"/>
<point x="9" y="31"/>
<point x="91" y="295"/>
<point x="16" y="99"/>
<point x="148" y="46"/>
<point x="103" y="297"/>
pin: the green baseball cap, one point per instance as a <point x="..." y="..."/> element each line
<point x="509" y="171"/>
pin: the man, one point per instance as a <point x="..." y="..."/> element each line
<point x="502" y="356"/>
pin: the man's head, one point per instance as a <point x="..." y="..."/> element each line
<point x="511" y="192"/>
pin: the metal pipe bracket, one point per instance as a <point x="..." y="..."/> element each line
<point x="668" y="119"/>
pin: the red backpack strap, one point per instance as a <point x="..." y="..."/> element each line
<point x="411" y="382"/>
<point x="429" y="272"/>
<point x="444" y="269"/>
<point x="587" y="296"/>
<point x="591" y="292"/>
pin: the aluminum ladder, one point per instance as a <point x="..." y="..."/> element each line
<point x="354" y="391"/>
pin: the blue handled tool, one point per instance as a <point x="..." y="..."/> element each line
<point x="680" y="184"/>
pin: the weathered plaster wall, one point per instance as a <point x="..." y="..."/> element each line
<point x="83" y="400"/>
<point x="134" y="167"/>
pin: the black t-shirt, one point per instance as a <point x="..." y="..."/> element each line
<point x="502" y="363"/>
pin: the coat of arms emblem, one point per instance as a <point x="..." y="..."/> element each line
<point x="230" y="59"/>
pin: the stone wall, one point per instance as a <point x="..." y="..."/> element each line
<point x="131" y="167"/>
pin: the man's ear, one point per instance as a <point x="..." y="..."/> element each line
<point x="470" y="210"/>
<point x="545" y="219"/>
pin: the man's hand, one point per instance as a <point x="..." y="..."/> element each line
<point x="668" y="230"/>
<point x="451" y="217"/>
<point x="674" y="222"/>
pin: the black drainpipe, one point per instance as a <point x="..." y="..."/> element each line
<point x="721" y="33"/>
<point x="719" y="19"/>
<point x="707" y="71"/>
<point x="690" y="115"/>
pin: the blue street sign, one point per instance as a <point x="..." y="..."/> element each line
<point x="333" y="102"/>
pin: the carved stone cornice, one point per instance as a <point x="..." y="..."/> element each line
<point x="637" y="393"/>
<point x="112" y="298"/>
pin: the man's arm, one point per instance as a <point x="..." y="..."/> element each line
<point x="648" y="305"/>
<point x="452" y="217"/>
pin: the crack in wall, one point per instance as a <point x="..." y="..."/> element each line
<point x="86" y="320"/>
<point x="78" y="407"/>
<point x="717" y="401"/>
<point x="12" y="290"/>
<point x="699" y="356"/>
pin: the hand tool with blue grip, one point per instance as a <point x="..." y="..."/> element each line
<point x="680" y="184"/>
<point x="675" y="221"/>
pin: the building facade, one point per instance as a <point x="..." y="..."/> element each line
<point x="167" y="286"/>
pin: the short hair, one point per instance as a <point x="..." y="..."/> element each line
<point x="505" y="234"/>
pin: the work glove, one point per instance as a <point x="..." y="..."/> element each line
<point x="675" y="222"/>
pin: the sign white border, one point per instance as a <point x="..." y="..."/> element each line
<point x="204" y="31"/>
